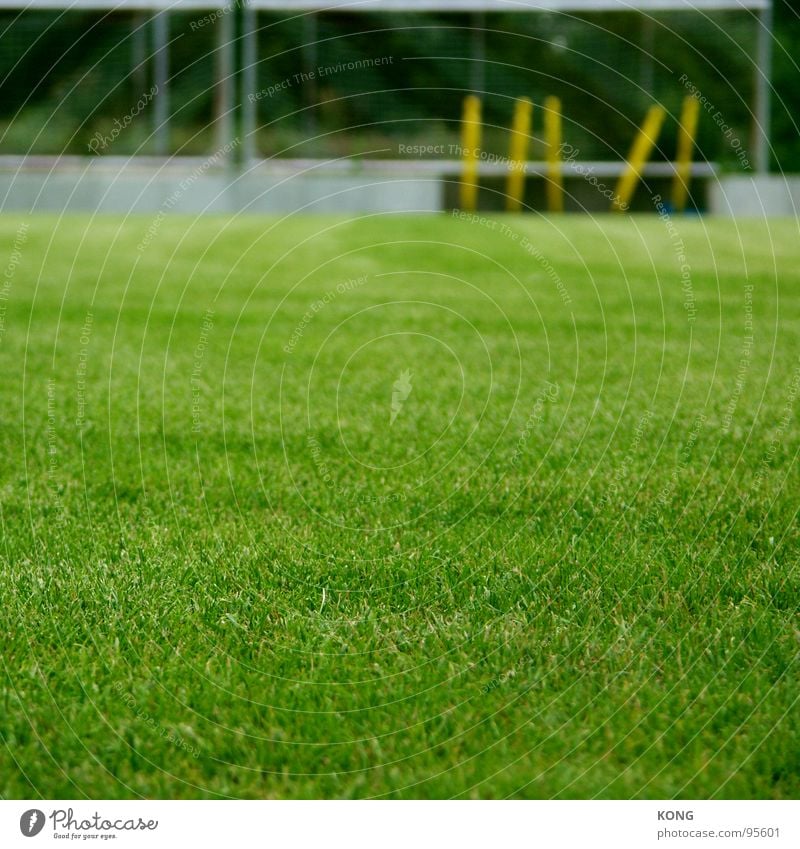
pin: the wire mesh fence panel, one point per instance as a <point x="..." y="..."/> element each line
<point x="387" y="85"/>
<point x="85" y="82"/>
<point x="63" y="77"/>
<point x="384" y="83"/>
<point x="346" y="84"/>
<point x="193" y="61"/>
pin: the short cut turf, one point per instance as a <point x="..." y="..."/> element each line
<point x="400" y="507"/>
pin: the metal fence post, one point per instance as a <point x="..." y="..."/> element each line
<point x="763" y="106"/>
<point x="161" y="77"/>
<point x="248" y="82"/>
<point x="224" y="81"/>
<point x="310" y="58"/>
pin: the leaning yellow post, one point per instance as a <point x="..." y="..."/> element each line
<point x="470" y="151"/>
<point x="683" y="160"/>
<point x="640" y="151"/>
<point x="552" y="133"/>
<point x="518" y="154"/>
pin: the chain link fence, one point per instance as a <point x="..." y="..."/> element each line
<point x="345" y="84"/>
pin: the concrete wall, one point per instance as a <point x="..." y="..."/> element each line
<point x="754" y="197"/>
<point x="188" y="187"/>
<point x="195" y="186"/>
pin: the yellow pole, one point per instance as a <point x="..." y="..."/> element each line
<point x="552" y="132"/>
<point x="518" y="154"/>
<point x="470" y="151"/>
<point x="683" y="160"/>
<point x="641" y="149"/>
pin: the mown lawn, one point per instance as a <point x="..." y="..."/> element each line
<point x="567" y="568"/>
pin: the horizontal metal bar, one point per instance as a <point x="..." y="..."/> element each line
<point x="509" y="5"/>
<point x="574" y="6"/>
<point x="453" y="167"/>
<point x="113" y="5"/>
<point x="434" y="168"/>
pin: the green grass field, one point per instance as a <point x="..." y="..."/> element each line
<point x="567" y="568"/>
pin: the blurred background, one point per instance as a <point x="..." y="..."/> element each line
<point x="328" y="84"/>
